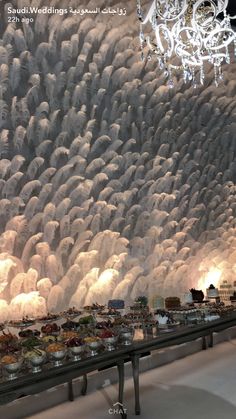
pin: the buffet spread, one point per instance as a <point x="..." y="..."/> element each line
<point x="31" y="345"/>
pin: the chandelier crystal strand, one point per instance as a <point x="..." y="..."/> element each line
<point x="187" y="34"/>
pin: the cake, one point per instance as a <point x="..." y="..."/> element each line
<point x="233" y="297"/>
<point x="116" y="304"/>
<point x="212" y="292"/>
<point x="225" y="291"/>
<point x="172" y="302"/>
<point x="197" y="295"/>
<point x="157" y="302"/>
<point x="142" y="301"/>
<point x="188" y="298"/>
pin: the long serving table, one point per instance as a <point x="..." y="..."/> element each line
<point x="29" y="383"/>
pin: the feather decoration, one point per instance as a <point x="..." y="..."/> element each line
<point x="55" y="123"/>
<point x="41" y="51"/>
<point x="48" y="213"/>
<point x="28" y="35"/>
<point x="3" y="55"/>
<point x="62" y="175"/>
<point x="31" y="128"/>
<point x="42" y="110"/>
<point x="63" y="139"/>
<point x="8" y="34"/>
<point x="62" y="209"/>
<point x="35" y="168"/>
<point x="45" y="149"/>
<point x="29" y="249"/>
<point x="31" y="207"/>
<point x="20" y="40"/>
<point x="64" y="249"/>
<point x="5" y="166"/>
<point x="24" y="111"/>
<point x="23" y="235"/>
<point x="19" y="139"/>
<point x="60" y="84"/>
<point x="42" y="131"/>
<point x="66" y="52"/>
<point x="15" y="222"/>
<point x="53" y="270"/>
<point x="50" y="230"/>
<point x="65" y="226"/>
<point x="32" y="97"/>
<point x="3" y="117"/>
<point x="60" y="194"/>
<point x="35" y="223"/>
<point x="13" y="185"/>
<point x="15" y="74"/>
<point x="45" y="196"/>
<point x="59" y="157"/>
<point x="47" y="175"/>
<point x="30" y="188"/>
<point x="4" y="80"/>
<point x="37" y="264"/>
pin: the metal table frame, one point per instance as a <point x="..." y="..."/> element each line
<point x="183" y="335"/>
<point x="35" y="383"/>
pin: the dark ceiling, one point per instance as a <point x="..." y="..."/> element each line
<point x="232" y="7"/>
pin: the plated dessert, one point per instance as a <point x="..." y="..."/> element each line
<point x="11" y="365"/>
<point x="29" y="333"/>
<point x="76" y="347"/>
<point x="111" y="312"/>
<point x="94" y="307"/>
<point x="57" y="352"/>
<point x="50" y="329"/>
<point x="50" y="317"/>
<point x="72" y="312"/>
<point x="70" y="325"/>
<point x="25" y="322"/>
<point x="164" y="318"/>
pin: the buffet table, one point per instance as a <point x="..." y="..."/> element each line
<point x="28" y="383"/>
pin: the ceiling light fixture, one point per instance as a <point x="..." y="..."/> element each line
<point x="187" y="35"/>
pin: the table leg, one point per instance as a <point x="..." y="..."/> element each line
<point x="85" y="385"/>
<point x="204" y="343"/>
<point x="135" y="366"/>
<point x="70" y="391"/>
<point x="120" y="367"/>
<point x="211" y="340"/>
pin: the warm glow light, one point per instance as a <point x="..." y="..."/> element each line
<point x="105" y="279"/>
<point x="211" y="277"/>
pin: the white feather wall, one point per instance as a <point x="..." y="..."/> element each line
<point x="111" y="184"/>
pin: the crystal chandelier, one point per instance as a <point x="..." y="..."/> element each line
<point x="187" y="35"/>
